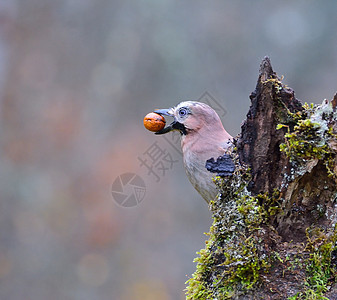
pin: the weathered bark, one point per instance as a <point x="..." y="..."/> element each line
<point x="259" y="143"/>
<point x="259" y="147"/>
<point x="273" y="235"/>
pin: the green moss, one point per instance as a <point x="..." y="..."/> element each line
<point x="309" y="294"/>
<point x="305" y="142"/>
<point x="196" y="286"/>
<point x="308" y="134"/>
<point x="307" y="138"/>
<point x="319" y="268"/>
<point x="320" y="271"/>
<point x="276" y="84"/>
<point x="234" y="257"/>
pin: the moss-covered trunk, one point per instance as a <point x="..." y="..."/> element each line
<point x="274" y="235"/>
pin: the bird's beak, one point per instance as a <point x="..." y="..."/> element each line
<point x="175" y="125"/>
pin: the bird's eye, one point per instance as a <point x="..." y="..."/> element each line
<point x="183" y="112"/>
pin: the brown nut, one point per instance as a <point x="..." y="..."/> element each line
<point x="154" y="122"/>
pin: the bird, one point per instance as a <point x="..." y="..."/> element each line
<point x="203" y="141"/>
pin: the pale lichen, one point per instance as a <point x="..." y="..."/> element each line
<point x="307" y="139"/>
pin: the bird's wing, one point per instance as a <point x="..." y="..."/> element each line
<point x="223" y="166"/>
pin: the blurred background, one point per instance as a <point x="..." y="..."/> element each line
<point x="93" y="206"/>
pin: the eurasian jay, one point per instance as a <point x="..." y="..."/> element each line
<point x="203" y="140"/>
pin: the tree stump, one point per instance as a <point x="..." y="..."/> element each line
<point x="274" y="222"/>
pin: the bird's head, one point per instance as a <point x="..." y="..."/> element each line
<point x="190" y="116"/>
